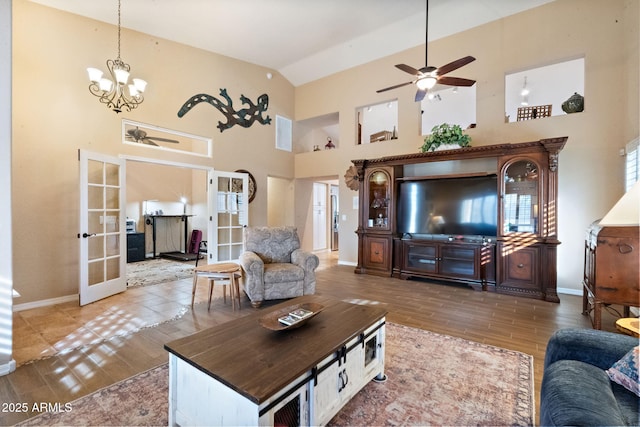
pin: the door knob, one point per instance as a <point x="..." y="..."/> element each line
<point x="85" y="235"/>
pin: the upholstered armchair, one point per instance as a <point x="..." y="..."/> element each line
<point x="274" y="266"/>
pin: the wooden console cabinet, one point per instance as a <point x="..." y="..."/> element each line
<point x="611" y="269"/>
<point x="519" y="260"/>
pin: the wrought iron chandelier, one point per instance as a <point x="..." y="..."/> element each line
<point x="116" y="96"/>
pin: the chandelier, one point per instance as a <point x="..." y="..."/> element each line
<point x="116" y="95"/>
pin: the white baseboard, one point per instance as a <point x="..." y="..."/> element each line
<point x="569" y="291"/>
<point x="7" y="368"/>
<point x="353" y="264"/>
<point x="45" y="302"/>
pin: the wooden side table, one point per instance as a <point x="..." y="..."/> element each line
<point x="629" y="326"/>
<point x="224" y="271"/>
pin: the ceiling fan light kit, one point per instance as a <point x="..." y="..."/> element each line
<point x="426" y="83"/>
<point x="427" y="77"/>
<point x="115" y="96"/>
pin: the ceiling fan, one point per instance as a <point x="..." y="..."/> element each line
<point x="428" y="76"/>
<point x="140" y="136"/>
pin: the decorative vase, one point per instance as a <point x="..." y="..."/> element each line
<point x="574" y="104"/>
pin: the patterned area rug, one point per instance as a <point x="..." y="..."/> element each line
<point x="154" y="271"/>
<point x="437" y="379"/>
<point x="432" y="380"/>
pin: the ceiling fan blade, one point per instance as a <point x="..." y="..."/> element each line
<point x="155" y="138"/>
<point x="408" y="69"/>
<point x="393" y="87"/>
<point x="455" y="81"/>
<point x="420" y="94"/>
<point x="148" y="142"/>
<point x="455" y="65"/>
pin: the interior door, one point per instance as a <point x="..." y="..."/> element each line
<point x="229" y="202"/>
<point x="102" y="226"/>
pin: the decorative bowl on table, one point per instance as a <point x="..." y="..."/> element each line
<point x="273" y="322"/>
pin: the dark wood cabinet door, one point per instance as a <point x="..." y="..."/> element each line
<point x="459" y="261"/>
<point x="377" y="253"/>
<point x="421" y="258"/>
<point x="519" y="267"/>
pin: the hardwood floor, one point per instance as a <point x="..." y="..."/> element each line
<point x="510" y="322"/>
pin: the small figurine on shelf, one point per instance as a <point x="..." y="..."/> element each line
<point x="316" y="148"/>
<point x="329" y="145"/>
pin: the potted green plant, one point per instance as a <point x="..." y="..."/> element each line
<point x="447" y="136"/>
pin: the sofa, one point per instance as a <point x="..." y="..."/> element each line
<point x="274" y="267"/>
<point x="576" y="388"/>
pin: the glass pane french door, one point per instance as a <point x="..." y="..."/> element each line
<point x="229" y="197"/>
<point x="101" y="236"/>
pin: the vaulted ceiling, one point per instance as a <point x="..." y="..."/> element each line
<point x="303" y="40"/>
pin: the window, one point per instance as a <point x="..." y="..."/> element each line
<point x="157" y="138"/>
<point x="632" y="166"/>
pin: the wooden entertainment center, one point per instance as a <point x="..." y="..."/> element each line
<point x="520" y="259"/>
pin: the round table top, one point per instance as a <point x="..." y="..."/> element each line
<point x="629" y="326"/>
<point x="225" y="267"/>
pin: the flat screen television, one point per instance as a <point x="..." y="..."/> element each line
<point x="464" y="206"/>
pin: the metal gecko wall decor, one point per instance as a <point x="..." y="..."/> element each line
<point x="244" y="117"/>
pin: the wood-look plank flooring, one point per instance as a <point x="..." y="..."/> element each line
<point x="515" y="323"/>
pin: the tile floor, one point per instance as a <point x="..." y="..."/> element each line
<point x="45" y="331"/>
<point x="42" y="332"/>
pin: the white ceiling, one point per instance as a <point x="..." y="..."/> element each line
<point x="303" y="40"/>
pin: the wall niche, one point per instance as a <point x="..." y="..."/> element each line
<point x="540" y="92"/>
<point x="314" y="134"/>
<point x="377" y="122"/>
<point x="446" y="104"/>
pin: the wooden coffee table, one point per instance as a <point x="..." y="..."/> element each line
<point x="241" y="373"/>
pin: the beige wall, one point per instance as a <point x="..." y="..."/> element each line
<point x="7" y="364"/>
<point x="591" y="168"/>
<point x="281" y="204"/>
<point x="54" y="115"/>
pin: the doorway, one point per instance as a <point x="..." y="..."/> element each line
<point x="325" y="215"/>
<point x="166" y="188"/>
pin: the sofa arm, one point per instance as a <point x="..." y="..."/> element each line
<point x="308" y="261"/>
<point x="253" y="268"/>
<point x="598" y="348"/>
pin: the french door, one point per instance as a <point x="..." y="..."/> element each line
<point x="102" y="231"/>
<point x="229" y="202"/>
